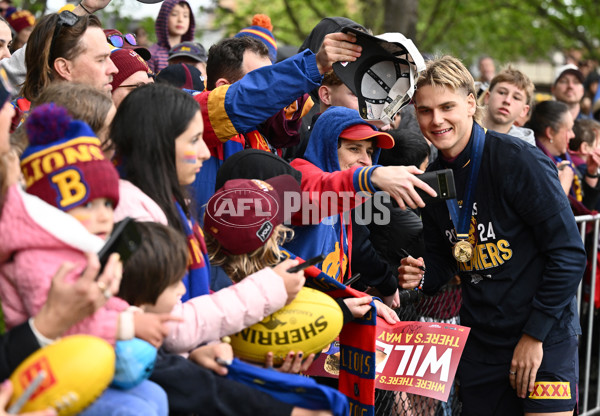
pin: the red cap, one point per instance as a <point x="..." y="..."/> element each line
<point x="244" y="212"/>
<point x="365" y="131"/>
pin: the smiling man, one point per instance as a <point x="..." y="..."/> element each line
<point x="508" y="98"/>
<point x="513" y="240"/>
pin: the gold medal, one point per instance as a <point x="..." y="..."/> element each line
<point x="462" y="251"/>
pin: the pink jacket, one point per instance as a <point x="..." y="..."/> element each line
<point x="36" y="239"/>
<point x="134" y="203"/>
<point x="209" y="317"/>
<point x="227" y="311"/>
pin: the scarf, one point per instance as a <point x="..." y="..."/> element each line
<point x="357" y="344"/>
<point x="197" y="278"/>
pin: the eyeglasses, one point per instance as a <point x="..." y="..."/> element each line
<point x="65" y="18"/>
<point x="118" y="41"/>
<point x="139" y="84"/>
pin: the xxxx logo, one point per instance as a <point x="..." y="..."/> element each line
<point x="551" y="390"/>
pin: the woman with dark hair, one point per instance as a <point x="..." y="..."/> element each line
<point x="552" y="125"/>
<point x="161" y="156"/>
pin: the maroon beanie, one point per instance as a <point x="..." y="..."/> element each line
<point x="243" y="214"/>
<point x="21" y="19"/>
<point x="128" y="62"/>
<point x="64" y="164"/>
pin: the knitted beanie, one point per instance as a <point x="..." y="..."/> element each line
<point x="64" y="164"/>
<point x="261" y="29"/>
<point x="21" y="19"/>
<point x="128" y="62"/>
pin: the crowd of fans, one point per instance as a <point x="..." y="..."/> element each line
<point x="97" y="126"/>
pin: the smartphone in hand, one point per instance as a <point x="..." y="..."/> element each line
<point x="442" y="182"/>
<point x="125" y="240"/>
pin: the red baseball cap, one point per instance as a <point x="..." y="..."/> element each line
<point x="364" y="132"/>
<point x="242" y="215"/>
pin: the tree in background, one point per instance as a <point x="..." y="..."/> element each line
<point x="506" y="29"/>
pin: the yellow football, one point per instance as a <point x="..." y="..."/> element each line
<point x="311" y="321"/>
<point x="75" y="371"/>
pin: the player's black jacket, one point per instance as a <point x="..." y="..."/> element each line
<point x="529" y="257"/>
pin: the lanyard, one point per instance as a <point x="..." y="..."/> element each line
<point x="461" y="218"/>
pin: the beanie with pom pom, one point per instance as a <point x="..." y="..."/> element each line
<point x="64" y="164"/>
<point x="261" y="29"/>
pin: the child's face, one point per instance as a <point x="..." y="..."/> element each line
<point x="96" y="216"/>
<point x="179" y="20"/>
<point x="167" y="299"/>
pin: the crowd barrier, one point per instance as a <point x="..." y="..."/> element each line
<point x="445" y="307"/>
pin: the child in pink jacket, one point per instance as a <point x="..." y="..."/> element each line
<point x="64" y="167"/>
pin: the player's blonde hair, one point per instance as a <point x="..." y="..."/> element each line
<point x="449" y="72"/>
<point x="238" y="266"/>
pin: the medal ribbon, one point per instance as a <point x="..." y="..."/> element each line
<point x="461" y="218"/>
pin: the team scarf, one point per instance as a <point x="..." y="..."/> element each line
<point x="197" y="278"/>
<point x="289" y="388"/>
<point x="357" y="343"/>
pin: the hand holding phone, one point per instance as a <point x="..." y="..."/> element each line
<point x="442" y="182"/>
<point x="125" y="240"/>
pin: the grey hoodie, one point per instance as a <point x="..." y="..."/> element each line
<point x="522" y="133"/>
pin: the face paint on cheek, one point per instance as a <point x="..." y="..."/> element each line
<point x="190" y="157"/>
<point x="83" y="218"/>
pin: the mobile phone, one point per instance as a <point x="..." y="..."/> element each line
<point x="442" y="182"/>
<point x="125" y="240"/>
<point x="307" y="263"/>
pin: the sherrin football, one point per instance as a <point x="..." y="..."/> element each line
<point x="310" y="322"/>
<point x="76" y="369"/>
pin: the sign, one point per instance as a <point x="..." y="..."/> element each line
<point x="413" y="357"/>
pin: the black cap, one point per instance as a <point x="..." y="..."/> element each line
<point x="383" y="78"/>
<point x="182" y="76"/>
<point x="254" y="164"/>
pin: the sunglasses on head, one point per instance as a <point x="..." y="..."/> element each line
<point x="65" y="18"/>
<point x="118" y="41"/>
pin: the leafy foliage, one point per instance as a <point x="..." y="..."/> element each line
<point x="506" y="29"/>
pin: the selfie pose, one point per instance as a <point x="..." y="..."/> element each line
<point x="515" y="245"/>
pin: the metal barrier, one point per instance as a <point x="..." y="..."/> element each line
<point x="589" y="347"/>
<point x="445" y="307"/>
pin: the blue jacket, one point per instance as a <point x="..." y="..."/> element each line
<point x="239" y="108"/>
<point x="321" y="173"/>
